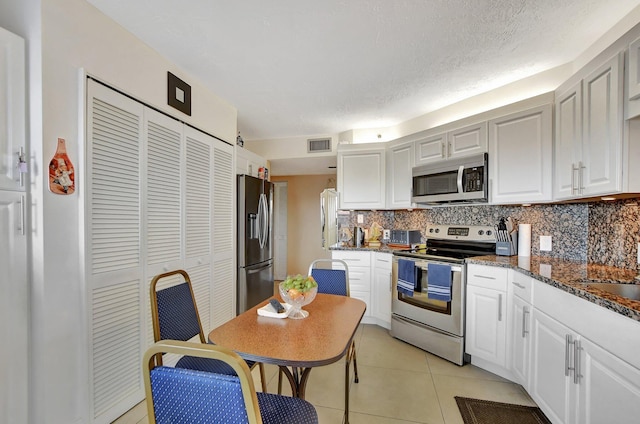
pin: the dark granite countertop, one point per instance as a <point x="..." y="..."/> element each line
<point x="573" y="277"/>
<point x="383" y="248"/>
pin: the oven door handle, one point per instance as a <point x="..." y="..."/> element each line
<point x="453" y="268"/>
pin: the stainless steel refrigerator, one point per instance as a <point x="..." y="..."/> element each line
<point x="255" y="247"/>
<point x="329" y="217"/>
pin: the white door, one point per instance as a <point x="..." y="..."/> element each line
<point x="602" y="129"/>
<point x="521" y="149"/>
<point x="223" y="292"/>
<point x="430" y="149"/>
<point x="14" y="309"/>
<point x="568" y="142"/>
<point x="551" y="363"/>
<point x="399" y="177"/>
<point x="468" y="140"/>
<point x="520" y="338"/>
<point x="12" y="111"/>
<point x="609" y="387"/>
<point x="280" y="230"/>
<point x="486" y="324"/>
<point x="114" y="262"/>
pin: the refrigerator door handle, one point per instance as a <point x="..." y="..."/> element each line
<point x="265" y="227"/>
<point x="260" y="221"/>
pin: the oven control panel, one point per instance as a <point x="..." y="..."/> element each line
<point x="476" y="233"/>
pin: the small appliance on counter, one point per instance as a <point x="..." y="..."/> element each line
<point x="358" y="237"/>
<point x="506" y="237"/>
<point x="405" y="238"/>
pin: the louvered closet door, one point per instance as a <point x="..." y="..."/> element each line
<point x="198" y="219"/>
<point x="163" y="194"/>
<point x="114" y="271"/>
<point x="224" y="266"/>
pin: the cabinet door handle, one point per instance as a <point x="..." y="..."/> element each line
<point x="576" y="362"/>
<point x="581" y="167"/>
<point x="484" y="276"/>
<point x="573" y="178"/>
<point x="443" y="153"/>
<point x="500" y="307"/>
<point x="22" y="216"/>
<point x="520" y="286"/>
<point x="567" y="355"/>
<point x="525" y="312"/>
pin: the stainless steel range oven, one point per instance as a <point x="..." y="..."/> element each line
<point x="421" y="317"/>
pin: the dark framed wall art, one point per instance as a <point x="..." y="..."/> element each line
<point x="178" y="94"/>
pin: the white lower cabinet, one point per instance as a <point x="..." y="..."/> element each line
<point x="486" y="335"/>
<point x="576" y="381"/>
<point x="551" y="373"/>
<point x="577" y="360"/>
<point x="370" y="281"/>
<point x="359" y="263"/>
<point x="608" y="388"/>
<point x="519" y="327"/>
<point x="486" y="324"/>
<point x="381" y="287"/>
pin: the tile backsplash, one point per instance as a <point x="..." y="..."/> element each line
<point x="599" y="232"/>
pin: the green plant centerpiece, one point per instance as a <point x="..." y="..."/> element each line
<point x="298" y="291"/>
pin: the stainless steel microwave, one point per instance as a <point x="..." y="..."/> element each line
<point x="455" y="180"/>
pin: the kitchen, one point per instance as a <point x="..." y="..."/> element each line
<point x="63" y="35"/>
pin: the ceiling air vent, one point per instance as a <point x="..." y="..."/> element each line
<point x="318" y="145"/>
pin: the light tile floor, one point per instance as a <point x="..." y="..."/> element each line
<point x="399" y="384"/>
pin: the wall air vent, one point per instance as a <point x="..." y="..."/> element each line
<point x="318" y="145"/>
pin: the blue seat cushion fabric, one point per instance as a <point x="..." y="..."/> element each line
<point x="190" y="396"/>
<point x="330" y="281"/>
<point x="177" y="314"/>
<point x="205" y="364"/>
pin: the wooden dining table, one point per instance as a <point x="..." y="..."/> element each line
<point x="296" y="345"/>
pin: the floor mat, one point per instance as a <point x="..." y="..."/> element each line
<point x="476" y="411"/>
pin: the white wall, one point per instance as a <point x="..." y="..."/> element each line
<point x="63" y="38"/>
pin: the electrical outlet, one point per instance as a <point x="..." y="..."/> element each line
<point x="545" y="243"/>
<point x="360" y="218"/>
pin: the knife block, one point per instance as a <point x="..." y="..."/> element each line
<point x="508" y="248"/>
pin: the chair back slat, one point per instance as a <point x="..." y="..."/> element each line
<point x="178" y="393"/>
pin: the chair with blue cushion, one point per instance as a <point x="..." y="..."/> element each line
<point x="174" y="315"/>
<point x="179" y="395"/>
<point x="334" y="281"/>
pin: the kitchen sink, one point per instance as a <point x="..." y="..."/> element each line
<point x="630" y="291"/>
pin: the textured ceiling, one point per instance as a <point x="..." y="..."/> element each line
<point x="304" y="68"/>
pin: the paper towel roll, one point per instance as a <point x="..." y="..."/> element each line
<point x="524" y="240"/>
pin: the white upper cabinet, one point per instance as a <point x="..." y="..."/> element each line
<point x="431" y="148"/>
<point x="520" y="156"/>
<point x="589" y="121"/>
<point x="399" y="177"/>
<point x="12" y="112"/>
<point x="468" y="140"/>
<point x="361" y="176"/>
<point x="456" y="142"/>
<point x="633" y="80"/>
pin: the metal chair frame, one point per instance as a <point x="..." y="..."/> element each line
<point x="249" y="395"/>
<point x="351" y="353"/>
<point x="155" y="318"/>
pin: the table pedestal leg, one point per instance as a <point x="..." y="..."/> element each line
<point x="298" y="378"/>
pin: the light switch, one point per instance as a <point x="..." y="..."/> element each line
<point x="545" y="243"/>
